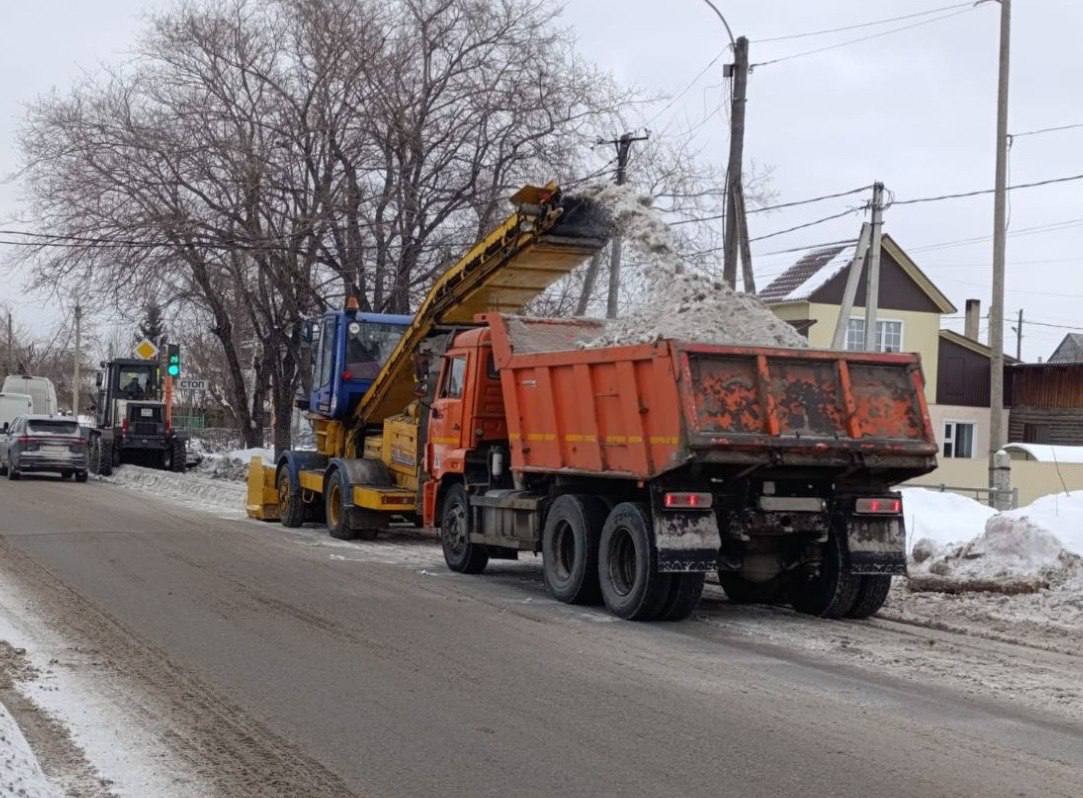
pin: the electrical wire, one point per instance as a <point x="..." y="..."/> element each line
<point x="779" y="206"/>
<point x="795" y="228"/>
<point x="979" y="192"/>
<point x="865" y="38"/>
<point x="686" y="89"/>
<point x="859" y="25"/>
<point x="1044" y="130"/>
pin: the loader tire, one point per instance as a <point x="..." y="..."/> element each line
<point x="871" y="595"/>
<point x="178" y="456"/>
<point x="570" y="549"/>
<point x="336" y="512"/>
<point x="632" y="586"/>
<point x="741" y="591"/>
<point x="291" y="508"/>
<point x="101" y="459"/>
<point x="684" y="594"/>
<point x="460" y="554"/>
<point x="833" y="591"/>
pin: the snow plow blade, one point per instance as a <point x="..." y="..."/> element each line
<point x="262" y="502"/>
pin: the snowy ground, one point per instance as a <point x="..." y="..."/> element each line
<point x="20" y="771"/>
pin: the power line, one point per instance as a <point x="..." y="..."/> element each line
<point x="859" y="25"/>
<point x="963" y="194"/>
<point x="1043" y="228"/>
<point x="686" y="89"/>
<point x="832" y="217"/>
<point x="1044" y="130"/>
<point x="779" y="206"/>
<point x="864" y="38"/>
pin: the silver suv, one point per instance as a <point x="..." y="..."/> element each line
<point x="43" y="443"/>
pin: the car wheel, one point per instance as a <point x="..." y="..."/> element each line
<point x="13" y="471"/>
<point x="80" y="476"/>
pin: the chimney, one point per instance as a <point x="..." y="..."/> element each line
<point x="973" y="319"/>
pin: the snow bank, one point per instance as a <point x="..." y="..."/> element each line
<point x="1029" y="549"/>
<point x="942" y="517"/>
<point x="224" y="497"/>
<point x="683" y="304"/>
<point x="20" y="772"/>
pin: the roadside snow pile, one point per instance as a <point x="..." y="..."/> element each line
<point x="233" y="464"/>
<point x="1020" y="551"/>
<point x="685" y="305"/>
<point x="942" y="517"/>
<point x="20" y="772"/>
<point x="193" y="489"/>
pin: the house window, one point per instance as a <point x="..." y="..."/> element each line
<point x="888" y="335"/>
<point x="958" y="439"/>
<point x="1035" y="433"/>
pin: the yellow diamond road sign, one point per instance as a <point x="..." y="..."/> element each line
<point x="146" y="350"/>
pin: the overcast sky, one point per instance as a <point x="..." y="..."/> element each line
<point x="914" y="109"/>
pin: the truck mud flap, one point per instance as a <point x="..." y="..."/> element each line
<point x="876" y="545"/>
<point x="687" y="542"/>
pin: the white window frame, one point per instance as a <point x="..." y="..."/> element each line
<point x="881" y="324"/>
<point x="953" y="439"/>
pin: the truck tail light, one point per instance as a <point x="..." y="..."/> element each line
<point x="124" y="426"/>
<point x="688" y="501"/>
<point x="887" y="506"/>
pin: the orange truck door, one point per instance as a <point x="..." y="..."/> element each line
<point x="446" y="419"/>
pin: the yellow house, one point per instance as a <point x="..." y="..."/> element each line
<point x="809" y="296"/>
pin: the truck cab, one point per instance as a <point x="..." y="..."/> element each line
<point x="348" y="349"/>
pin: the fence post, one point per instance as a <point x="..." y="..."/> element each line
<point x="1002" y="481"/>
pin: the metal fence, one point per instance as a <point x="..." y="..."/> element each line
<point x="984" y="495"/>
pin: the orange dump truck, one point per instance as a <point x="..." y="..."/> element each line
<point x="635" y="470"/>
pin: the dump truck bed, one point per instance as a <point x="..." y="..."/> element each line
<point x="645" y="409"/>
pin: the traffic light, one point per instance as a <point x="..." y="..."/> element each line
<point x="173" y="366"/>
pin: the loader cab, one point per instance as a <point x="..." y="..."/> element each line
<point x="348" y="350"/>
<point x="125" y="381"/>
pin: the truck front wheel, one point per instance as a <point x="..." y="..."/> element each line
<point x="632" y="586"/>
<point x="460" y="554"/>
<point x="570" y="549"/>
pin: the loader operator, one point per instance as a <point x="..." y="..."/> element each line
<point x="134" y="388"/>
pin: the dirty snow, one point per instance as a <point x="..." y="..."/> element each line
<point x="682" y="304"/>
<point x="20" y="771"/>
<point x="223" y="496"/>
<point x="942" y="517"/>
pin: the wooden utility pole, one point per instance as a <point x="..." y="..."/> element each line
<point x="624" y="147"/>
<point x="736" y="225"/>
<point x="849" y="293"/>
<point x="872" y="285"/>
<point x="996" y="306"/>
<point x="1019" y="337"/>
<point x="588" y="284"/>
<point x="11" y="344"/>
<point x="76" y="376"/>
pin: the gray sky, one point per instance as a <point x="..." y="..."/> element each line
<point x="915" y="109"/>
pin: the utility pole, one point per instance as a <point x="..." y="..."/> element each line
<point x="736" y="224"/>
<point x="1019" y="337"/>
<point x="11" y="344"/>
<point x="624" y="147"/>
<point x="996" y="306"/>
<point x="588" y="284"/>
<point x="872" y="286"/>
<point x="849" y="293"/>
<point x="78" y="360"/>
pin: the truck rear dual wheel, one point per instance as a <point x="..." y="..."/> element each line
<point x="833" y="592"/>
<point x="632" y="586"/>
<point x="573" y="529"/>
<point x="871" y="595"/>
<point x="460" y="554"/>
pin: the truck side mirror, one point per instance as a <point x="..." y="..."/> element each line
<point x="4" y="429"/>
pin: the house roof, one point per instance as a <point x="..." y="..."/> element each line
<point x="1070" y="350"/>
<point x="816" y="268"/>
<point x="974" y="346"/>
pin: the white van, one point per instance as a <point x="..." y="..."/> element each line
<point x="13" y="405"/>
<point x="39" y="389"/>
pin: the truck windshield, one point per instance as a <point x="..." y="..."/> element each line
<point x="368" y="346"/>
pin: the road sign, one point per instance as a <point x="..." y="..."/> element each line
<point x="191" y="384"/>
<point x="146" y="350"/>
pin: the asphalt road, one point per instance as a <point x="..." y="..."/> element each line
<point x="285" y="667"/>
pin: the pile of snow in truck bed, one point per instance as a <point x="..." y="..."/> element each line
<point x="681" y="304"/>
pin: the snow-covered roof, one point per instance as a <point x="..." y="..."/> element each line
<point x="1045" y="453"/>
<point x="809" y="274"/>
